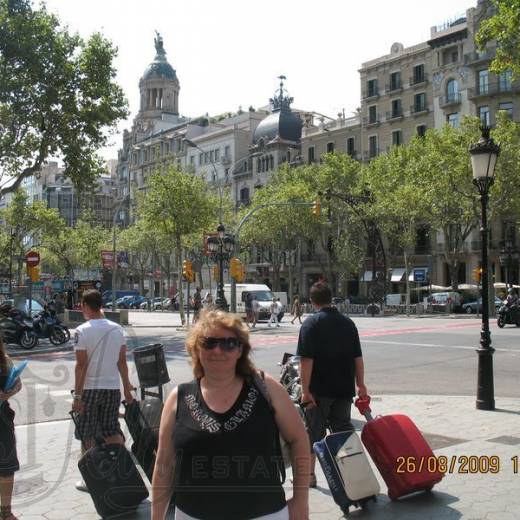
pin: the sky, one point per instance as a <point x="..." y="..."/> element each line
<point x="228" y="53"/>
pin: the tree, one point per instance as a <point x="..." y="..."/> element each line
<point x="503" y="27"/>
<point x="57" y="95"/>
<point x="178" y="204"/>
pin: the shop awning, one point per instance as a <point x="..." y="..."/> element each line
<point x="397" y="274"/>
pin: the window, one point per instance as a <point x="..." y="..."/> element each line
<point x="227" y="152"/>
<point x="395" y="80"/>
<point x="244" y="195"/>
<point x="450" y="56"/>
<point x="211" y="156"/>
<point x="421" y="130"/>
<point x="372" y="146"/>
<point x="192" y="159"/>
<point x="507" y="107"/>
<point x="310" y="155"/>
<point x="206" y="157"/>
<point x="372" y="87"/>
<point x="397" y="138"/>
<point x="452" y="91"/>
<point x="372" y="114"/>
<point x="351" y="150"/>
<point x="396" y="108"/>
<point x="418" y="74"/>
<point x="483" y="81"/>
<point x="201" y="156"/>
<point x="419" y="102"/>
<point x="217" y="154"/>
<point x="483" y="115"/>
<point x="453" y="119"/>
<point x="330" y="147"/>
<point x="504" y="81"/>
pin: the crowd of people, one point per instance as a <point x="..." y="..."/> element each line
<point x="218" y="451"/>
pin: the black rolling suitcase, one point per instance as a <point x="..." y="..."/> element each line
<point x="112" y="478"/>
<point x="143" y="419"/>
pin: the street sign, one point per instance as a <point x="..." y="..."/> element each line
<point x="419" y="275"/>
<point x="32" y="258"/>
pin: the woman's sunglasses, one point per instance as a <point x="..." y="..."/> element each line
<point x="225" y="344"/>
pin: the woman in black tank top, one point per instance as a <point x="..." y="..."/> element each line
<point x="218" y="443"/>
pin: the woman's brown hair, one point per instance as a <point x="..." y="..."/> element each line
<point x="214" y="319"/>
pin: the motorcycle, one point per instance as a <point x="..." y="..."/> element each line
<point x="47" y="325"/>
<point x="17" y="328"/>
<point x="290" y="376"/>
<point x="508" y="315"/>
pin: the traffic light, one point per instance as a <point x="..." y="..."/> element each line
<point x="187" y="271"/>
<point x="236" y="269"/>
<point x="477" y="274"/>
<point x="33" y="273"/>
<point x="316" y="208"/>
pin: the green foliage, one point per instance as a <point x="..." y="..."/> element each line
<point x="58" y="96"/>
<point x="503" y="28"/>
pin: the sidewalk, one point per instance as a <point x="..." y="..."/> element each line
<point x="44" y="487"/>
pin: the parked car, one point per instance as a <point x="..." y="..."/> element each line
<point x="107" y="295"/>
<point x="135" y="303"/>
<point x="156" y="303"/>
<point x="476" y="306"/>
<point x="451" y="299"/>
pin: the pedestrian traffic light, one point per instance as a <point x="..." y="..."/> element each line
<point x="236" y="269"/>
<point x="33" y="273"/>
<point x="316" y="208"/>
<point x="187" y="271"/>
<point x="477" y="274"/>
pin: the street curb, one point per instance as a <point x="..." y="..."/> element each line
<point x="17" y="353"/>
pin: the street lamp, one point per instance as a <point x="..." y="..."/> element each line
<point x="114" y="259"/>
<point x="220" y="248"/>
<point x="484" y="156"/>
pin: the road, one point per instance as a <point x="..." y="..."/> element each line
<point x="428" y="356"/>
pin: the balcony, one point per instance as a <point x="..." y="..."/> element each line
<point x="493" y="88"/>
<point x="450" y="100"/>
<point x="394" y="89"/>
<point x="418" y="110"/>
<point x="415" y="81"/>
<point x="394" y="115"/>
<point x="474" y="58"/>
<point x="371" y="94"/>
<point x="370" y="121"/>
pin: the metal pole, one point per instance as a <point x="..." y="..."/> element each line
<point x="485" y="383"/>
<point x="114" y="259"/>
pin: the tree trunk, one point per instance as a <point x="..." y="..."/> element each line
<point x="179" y="271"/>
<point x="406" y="273"/>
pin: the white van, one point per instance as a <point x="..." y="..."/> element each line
<point x="263" y="294"/>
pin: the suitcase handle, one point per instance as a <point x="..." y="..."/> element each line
<point x="363" y="405"/>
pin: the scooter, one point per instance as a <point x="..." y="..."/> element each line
<point x="290" y="376"/>
<point x="47" y="325"/>
<point x="508" y="315"/>
<point x="17" y="328"/>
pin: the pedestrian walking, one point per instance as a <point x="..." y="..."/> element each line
<point x="273" y="309"/>
<point x="9" y="464"/>
<point x="196" y="302"/>
<point x="218" y="434"/>
<point x="100" y="366"/>
<point x="207" y="302"/>
<point x="279" y="307"/>
<point x="331" y="366"/>
<point x="296" y="310"/>
<point x="249" y="308"/>
<point x="255" y="306"/>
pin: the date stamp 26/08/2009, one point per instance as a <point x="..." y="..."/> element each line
<point x="458" y="464"/>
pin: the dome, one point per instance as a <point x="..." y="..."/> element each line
<point x="159" y="69"/>
<point x="283" y="124"/>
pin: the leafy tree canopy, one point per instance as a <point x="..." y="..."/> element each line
<point x="504" y="28"/>
<point x="58" y="97"/>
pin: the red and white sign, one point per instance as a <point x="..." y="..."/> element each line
<point x="32" y="258"/>
<point x="107" y="259"/>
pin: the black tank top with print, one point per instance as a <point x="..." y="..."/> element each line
<point x="226" y="464"/>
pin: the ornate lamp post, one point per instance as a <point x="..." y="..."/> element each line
<point x="484" y="156"/>
<point x="220" y="248"/>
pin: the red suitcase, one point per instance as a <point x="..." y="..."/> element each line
<point x="400" y="452"/>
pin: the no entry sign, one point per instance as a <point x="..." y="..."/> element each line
<point x="32" y="258"/>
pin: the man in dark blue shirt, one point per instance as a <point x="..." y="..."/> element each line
<point x="332" y="366"/>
